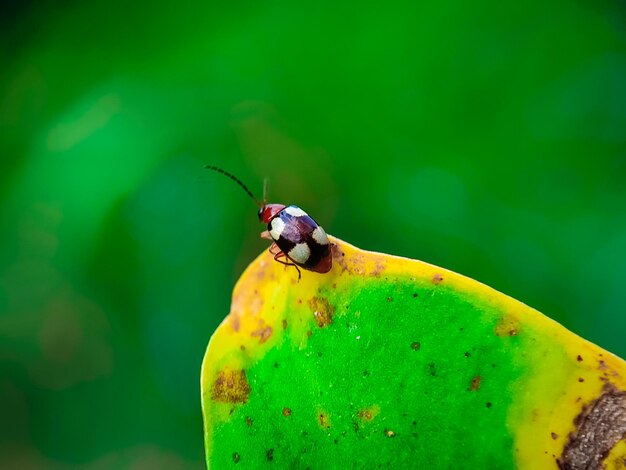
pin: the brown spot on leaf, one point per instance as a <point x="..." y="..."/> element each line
<point x="322" y="311"/>
<point x="389" y="433"/>
<point x="368" y="414"/>
<point x="598" y="428"/>
<point x="379" y="267"/>
<point x="269" y="455"/>
<point x="284" y="324"/>
<point x="508" y="325"/>
<point x="536" y="414"/>
<point x="243" y="300"/>
<point x="263" y="333"/>
<point x="579" y="358"/>
<point x="475" y="384"/>
<point x="389" y="299"/>
<point x="248" y="421"/>
<point x="324" y="420"/>
<point x="339" y="256"/>
<point x="488" y="404"/>
<point x="467" y="354"/>
<point x="230" y="386"/>
<point x="235" y="322"/>
<point x="437" y="279"/>
<point x="580" y="379"/>
<point x="415" y="345"/>
<point x="357" y="263"/>
<point x="554" y="435"/>
<point x="286" y="412"/>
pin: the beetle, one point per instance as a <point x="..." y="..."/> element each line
<point x="294" y="234"/>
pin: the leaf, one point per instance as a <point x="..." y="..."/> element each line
<point x="395" y="363"/>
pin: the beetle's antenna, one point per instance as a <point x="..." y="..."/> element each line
<point x="236" y="180"/>
<point x="265" y="191"/>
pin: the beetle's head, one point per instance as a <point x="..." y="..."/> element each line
<point x="269" y="211"/>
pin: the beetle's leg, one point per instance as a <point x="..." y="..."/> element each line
<point x="266" y="235"/>
<point x="287" y="263"/>
<point x="273" y="249"/>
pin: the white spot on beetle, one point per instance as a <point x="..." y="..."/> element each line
<point x="295" y="211"/>
<point x="320" y="236"/>
<point x="277" y="228"/>
<point x="300" y="253"/>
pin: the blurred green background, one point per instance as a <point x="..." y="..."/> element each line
<point x="485" y="137"/>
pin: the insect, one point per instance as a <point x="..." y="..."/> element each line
<point x="295" y="235"/>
